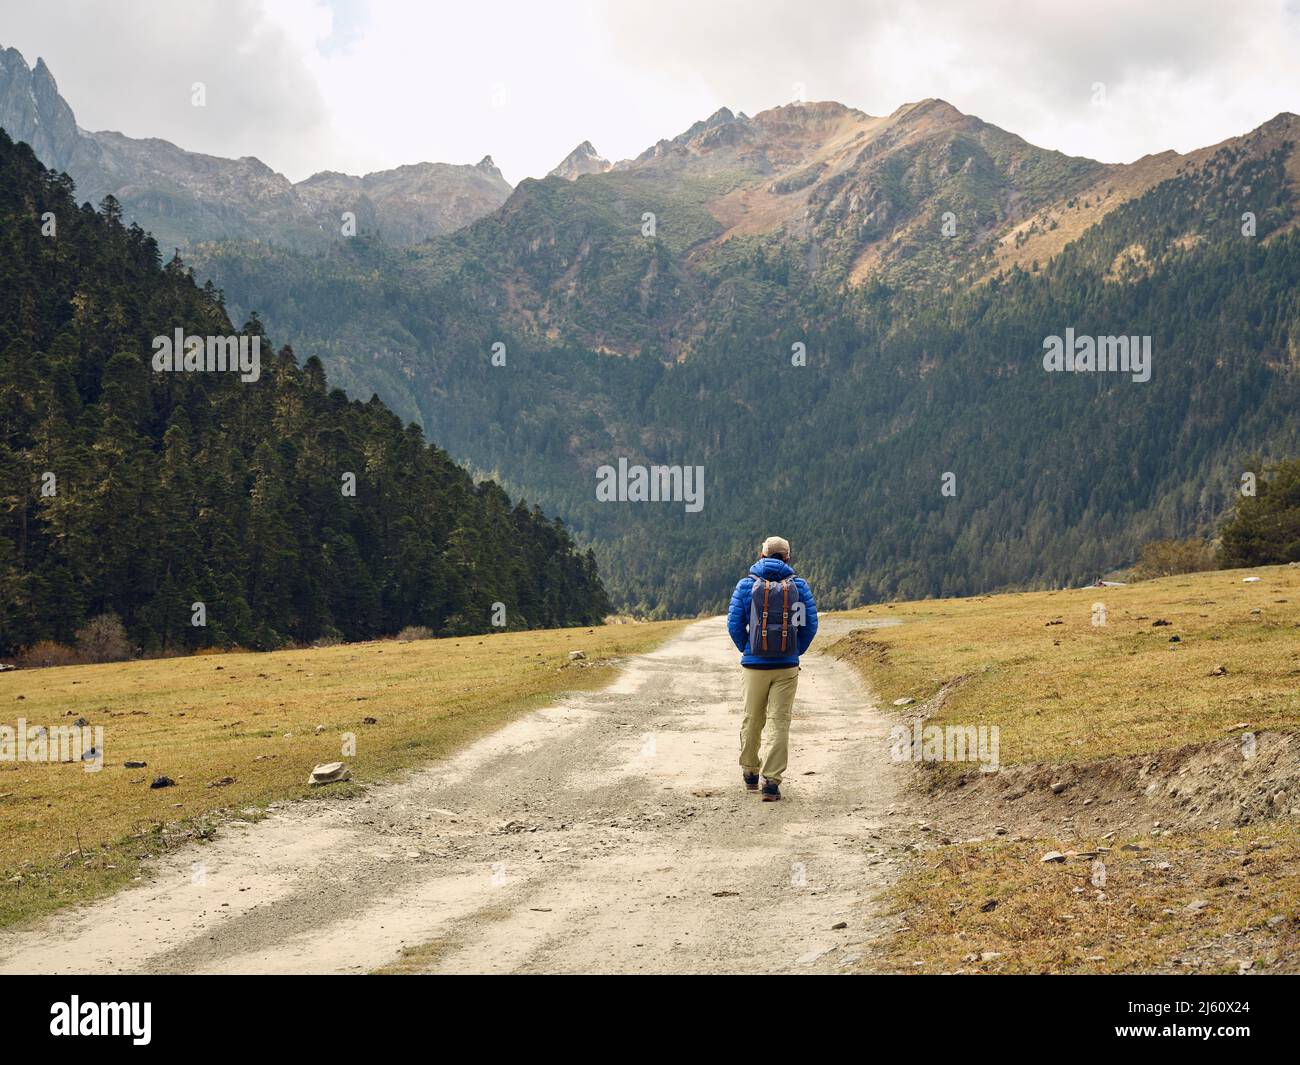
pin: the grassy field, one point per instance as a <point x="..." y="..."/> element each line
<point x="238" y="731"/>
<point x="1061" y="688"/>
<point x="1064" y="690"/>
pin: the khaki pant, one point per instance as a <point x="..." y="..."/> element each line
<point x="769" y="700"/>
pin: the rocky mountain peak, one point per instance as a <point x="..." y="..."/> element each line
<point x="32" y="110"/>
<point x="182" y="196"/>
<point x="584" y="159"/>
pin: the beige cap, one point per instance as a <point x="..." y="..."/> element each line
<point x="774" y="545"/>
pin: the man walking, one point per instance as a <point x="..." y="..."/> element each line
<point x="772" y="620"/>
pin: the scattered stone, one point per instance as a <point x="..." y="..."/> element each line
<point x="81" y="722"/>
<point x="1219" y="670"/>
<point x="1175" y="639"/>
<point x="1055" y="621"/>
<point x="370" y="721"/>
<point x="221" y="782"/>
<point x="135" y="763"/>
<point x="1058" y="787"/>
<point x="575" y="656"/>
<point x="1052" y="856"/>
<point x="1196" y="906"/>
<point x="989" y="906"/>
<point x="990" y="955"/>
<point x="162" y="781"/>
<point x="329" y="773"/>
<point x="839" y="925"/>
<point x="907" y="701"/>
<point x="320" y="729"/>
<point x="726" y="894"/>
<point x="1159" y="622"/>
<point x="1275" y="920"/>
<point x="1239" y="725"/>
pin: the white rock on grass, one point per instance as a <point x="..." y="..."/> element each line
<point x="329" y="773"/>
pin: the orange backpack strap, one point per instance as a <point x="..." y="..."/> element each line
<point x="785" y="614"/>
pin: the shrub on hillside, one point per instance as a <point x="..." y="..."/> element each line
<point x="47" y="653"/>
<point x="103" y="639"/>
<point x="1164" y="558"/>
<point x="415" y="632"/>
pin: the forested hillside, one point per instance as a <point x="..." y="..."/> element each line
<point x="143" y="494"/>
<point x="1057" y="477"/>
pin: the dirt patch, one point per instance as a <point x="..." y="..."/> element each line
<point x="858" y="648"/>
<point x="1241" y="780"/>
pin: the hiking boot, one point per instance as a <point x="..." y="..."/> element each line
<point x="771" y="790"/>
<point x="750" y="779"/>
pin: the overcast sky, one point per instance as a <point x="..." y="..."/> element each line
<point x="361" y="85"/>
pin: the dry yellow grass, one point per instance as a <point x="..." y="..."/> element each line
<point x="1062" y="689"/>
<point x="66" y="834"/>
<point x="1206" y="903"/>
<point x="1076" y="691"/>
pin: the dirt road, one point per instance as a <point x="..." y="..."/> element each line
<point x="608" y="833"/>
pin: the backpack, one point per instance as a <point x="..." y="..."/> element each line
<point x="772" y="605"/>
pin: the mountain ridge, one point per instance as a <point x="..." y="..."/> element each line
<point x="925" y="365"/>
<point x="183" y="196"/>
<point x="658" y="311"/>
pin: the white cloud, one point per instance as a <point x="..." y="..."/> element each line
<point x="355" y="85"/>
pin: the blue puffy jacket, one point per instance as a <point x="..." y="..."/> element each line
<point x="770" y="569"/>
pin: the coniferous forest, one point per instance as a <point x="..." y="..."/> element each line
<point x="273" y="511"/>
